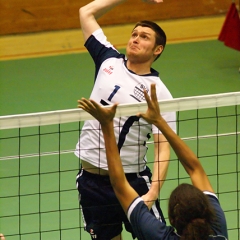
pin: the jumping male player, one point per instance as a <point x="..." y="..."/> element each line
<point x="122" y="79"/>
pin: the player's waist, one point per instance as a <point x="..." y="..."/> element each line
<point x="129" y="176"/>
<point x="88" y="167"/>
<point x="91" y="169"/>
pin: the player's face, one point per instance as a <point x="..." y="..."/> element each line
<point x="141" y="45"/>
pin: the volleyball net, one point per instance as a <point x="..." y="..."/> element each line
<point x="38" y="197"/>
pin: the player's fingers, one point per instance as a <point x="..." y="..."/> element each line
<point x="82" y="103"/>
<point x="86" y="105"/>
<point x="147" y="98"/>
<point x="89" y="103"/>
<point x="99" y="107"/>
<point x="114" y="107"/>
<point x="153" y="92"/>
<point x="96" y="105"/>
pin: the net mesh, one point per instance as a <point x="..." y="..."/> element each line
<point x="38" y="197"/>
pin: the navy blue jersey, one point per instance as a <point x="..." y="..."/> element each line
<point x="147" y="227"/>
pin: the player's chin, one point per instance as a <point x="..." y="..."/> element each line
<point x="132" y="53"/>
<point x="134" y="58"/>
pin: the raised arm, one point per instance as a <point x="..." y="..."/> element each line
<point x="160" y="168"/>
<point x="89" y="14"/>
<point x="124" y="192"/>
<point x="186" y="156"/>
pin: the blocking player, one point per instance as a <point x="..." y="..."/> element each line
<point x="121" y="78"/>
<point x="194" y="210"/>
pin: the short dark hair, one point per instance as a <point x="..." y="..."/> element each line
<point x="161" y="38"/>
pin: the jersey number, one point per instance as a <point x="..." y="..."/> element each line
<point x="127" y="125"/>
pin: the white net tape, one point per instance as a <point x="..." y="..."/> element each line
<point x="75" y="115"/>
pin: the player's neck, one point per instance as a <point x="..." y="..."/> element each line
<point x="139" y="68"/>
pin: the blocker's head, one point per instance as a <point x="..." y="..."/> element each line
<point x="190" y="212"/>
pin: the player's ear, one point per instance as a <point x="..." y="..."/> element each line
<point x="158" y="50"/>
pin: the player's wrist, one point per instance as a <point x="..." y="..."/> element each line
<point x="107" y="125"/>
<point x="154" y="191"/>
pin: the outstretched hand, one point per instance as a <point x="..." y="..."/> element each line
<point x="103" y="115"/>
<point x="106" y="114"/>
<point x="152" y="114"/>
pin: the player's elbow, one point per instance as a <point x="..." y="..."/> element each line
<point x="82" y="12"/>
<point x="86" y="11"/>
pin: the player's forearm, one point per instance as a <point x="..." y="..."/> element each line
<point x="186" y="156"/>
<point x="116" y="173"/>
<point x="98" y="8"/>
<point x="188" y="159"/>
<point x="92" y="11"/>
<point x="160" y="168"/>
<point x="124" y="192"/>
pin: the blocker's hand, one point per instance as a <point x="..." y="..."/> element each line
<point x="103" y="114"/>
<point x="152" y="115"/>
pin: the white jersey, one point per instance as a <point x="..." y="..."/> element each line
<point x="115" y="83"/>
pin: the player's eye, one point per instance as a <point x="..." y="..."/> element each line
<point x="144" y="37"/>
<point x="134" y="35"/>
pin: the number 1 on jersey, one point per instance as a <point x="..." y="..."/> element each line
<point x="116" y="88"/>
<point x="114" y="92"/>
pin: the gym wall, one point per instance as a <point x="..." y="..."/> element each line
<point x="28" y="16"/>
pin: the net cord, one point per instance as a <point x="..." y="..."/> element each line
<point x="77" y="115"/>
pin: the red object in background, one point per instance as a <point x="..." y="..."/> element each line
<point x="230" y="33"/>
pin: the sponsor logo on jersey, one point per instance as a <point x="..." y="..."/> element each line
<point x="138" y="93"/>
<point x="108" y="70"/>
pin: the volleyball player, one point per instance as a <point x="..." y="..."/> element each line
<point x="194" y="210"/>
<point x="120" y="78"/>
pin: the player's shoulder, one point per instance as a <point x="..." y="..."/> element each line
<point x="97" y="39"/>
